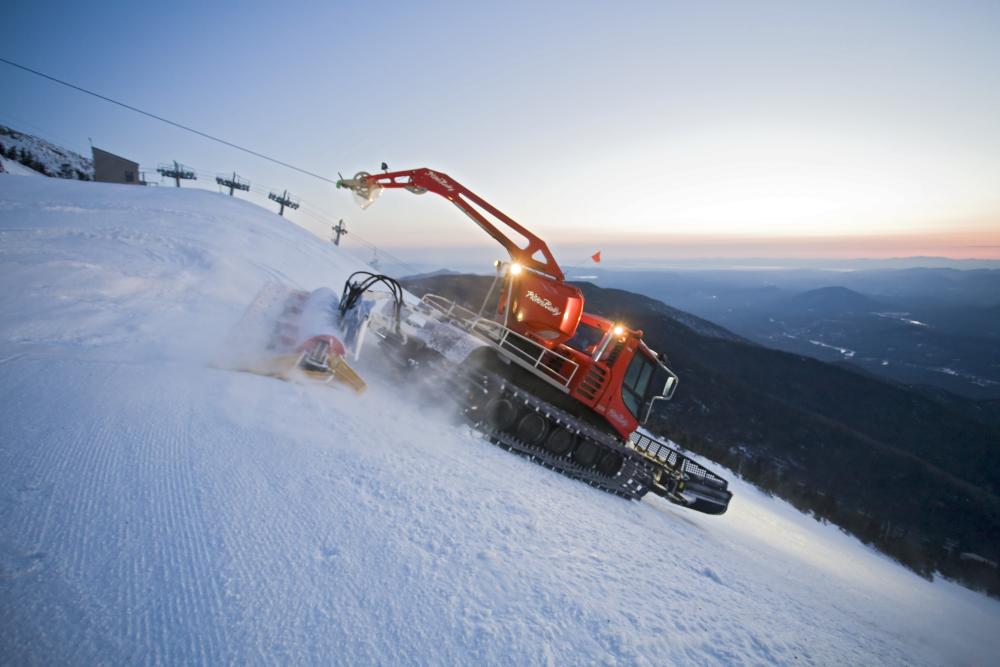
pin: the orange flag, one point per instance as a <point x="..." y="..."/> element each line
<point x="596" y="257"/>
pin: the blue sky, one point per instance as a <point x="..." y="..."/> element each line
<point x="676" y="129"/>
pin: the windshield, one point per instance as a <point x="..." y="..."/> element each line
<point x="586" y="339"/>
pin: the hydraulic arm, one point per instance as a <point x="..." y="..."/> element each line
<point x="533" y="253"/>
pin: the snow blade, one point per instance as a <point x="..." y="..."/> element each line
<point x="287" y="334"/>
<point x="322" y="358"/>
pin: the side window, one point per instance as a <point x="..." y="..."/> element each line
<point x="637" y="376"/>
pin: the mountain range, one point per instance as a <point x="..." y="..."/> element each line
<point x="935" y="328"/>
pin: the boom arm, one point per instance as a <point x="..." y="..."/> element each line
<point x="534" y="254"/>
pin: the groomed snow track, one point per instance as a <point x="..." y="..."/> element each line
<point x="157" y="510"/>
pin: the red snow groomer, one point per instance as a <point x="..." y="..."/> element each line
<point x="538" y="375"/>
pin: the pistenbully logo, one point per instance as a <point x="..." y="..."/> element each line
<point x="544" y="303"/>
<point x="441" y="181"/>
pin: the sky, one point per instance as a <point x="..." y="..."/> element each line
<point x="647" y="130"/>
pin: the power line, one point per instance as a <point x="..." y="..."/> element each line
<point x="45" y="135"/>
<point x="315" y="213"/>
<point x="168" y="121"/>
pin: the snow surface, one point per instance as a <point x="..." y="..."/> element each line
<point x="14" y="168"/>
<point x="154" y="509"/>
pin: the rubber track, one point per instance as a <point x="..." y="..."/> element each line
<point x="632" y="481"/>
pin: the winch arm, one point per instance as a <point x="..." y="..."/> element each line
<point x="534" y="254"/>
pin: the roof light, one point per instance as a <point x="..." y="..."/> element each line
<point x="618" y="330"/>
<point x="515" y="269"/>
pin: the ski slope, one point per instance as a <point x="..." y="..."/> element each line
<point x="154" y="509"/>
<point x="13" y="168"/>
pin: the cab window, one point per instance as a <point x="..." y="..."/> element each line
<point x="636" y="384"/>
<point x="586" y="338"/>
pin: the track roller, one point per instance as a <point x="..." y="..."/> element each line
<point x="560" y="441"/>
<point x="586" y="453"/>
<point x="610" y="464"/>
<point x="532" y="428"/>
<point x="501" y="413"/>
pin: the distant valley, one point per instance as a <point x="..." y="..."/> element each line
<point x="937" y="328"/>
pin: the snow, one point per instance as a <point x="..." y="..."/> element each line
<point x="57" y="160"/>
<point x="902" y="317"/>
<point x="13" y="168"/>
<point x="156" y="509"/>
<point x="843" y="350"/>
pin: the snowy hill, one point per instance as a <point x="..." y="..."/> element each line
<point x="156" y="509"/>
<point x="44" y="157"/>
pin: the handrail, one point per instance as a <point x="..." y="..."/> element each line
<point x="510" y="342"/>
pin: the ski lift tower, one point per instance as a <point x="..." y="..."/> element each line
<point x="179" y="173"/>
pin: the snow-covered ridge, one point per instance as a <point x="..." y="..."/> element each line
<point x="156" y="509"/>
<point x="44" y="157"/>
